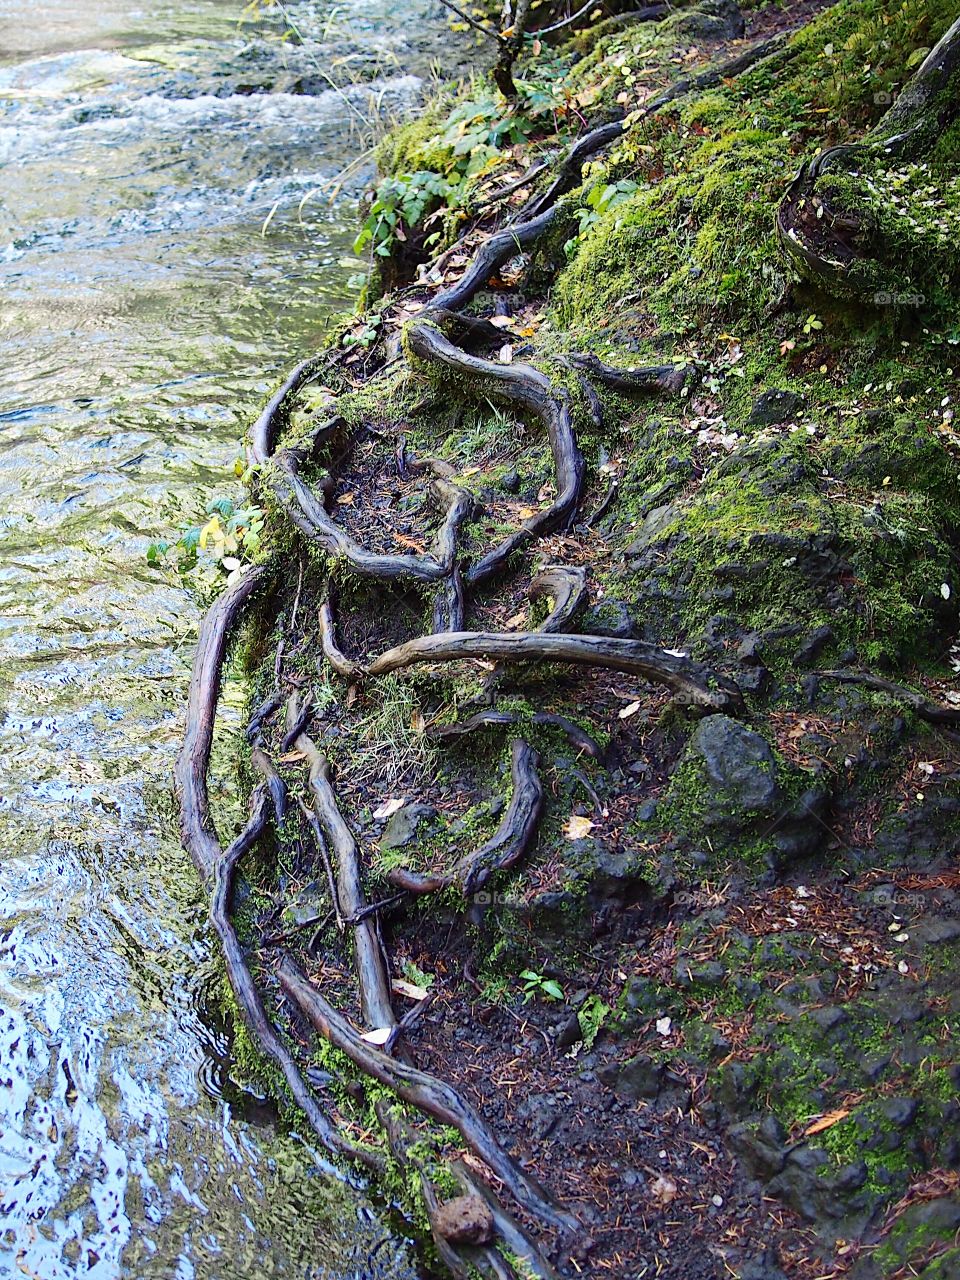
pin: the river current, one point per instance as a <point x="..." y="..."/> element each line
<point x="145" y="310"/>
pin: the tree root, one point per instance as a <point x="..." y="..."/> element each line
<point x="505" y="846"/>
<point x="824" y="241"/>
<point x="524" y="386"/>
<point x="692" y="683"/>
<point x="670" y="378"/>
<point x="425" y="1092"/>
<point x="341" y="664"/>
<point x="248" y="997"/>
<point x="500" y="248"/>
<point x="190" y="770"/>
<point x="566" y="586"/>
<point x="578" y="738"/>
<point x="929" y="711"/>
<point x="372" y="974"/>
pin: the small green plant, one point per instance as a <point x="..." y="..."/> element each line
<point x="591" y="1015"/>
<point x="229" y="538"/>
<point x="600" y="200"/>
<point x="535" y="984"/>
<point x="397" y="203"/>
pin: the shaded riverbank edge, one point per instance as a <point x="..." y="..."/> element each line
<point x="754" y="929"/>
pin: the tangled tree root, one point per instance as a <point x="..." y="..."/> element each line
<point x="438" y="345"/>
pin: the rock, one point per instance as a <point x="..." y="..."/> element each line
<point x="811" y="647"/>
<point x="774" y="407"/>
<point x="611" y="618"/>
<point x="539" y="1113"/>
<point x="653" y="528"/>
<point x="638" y="1077"/>
<point x="465" y="1220"/>
<point x="403" y="825"/>
<point x="711" y="20"/>
<point x="829" y="1018"/>
<point x="750" y="649"/>
<point x="570" y="1032"/>
<point x="901" y="1112"/>
<point x="760" y="1148"/>
<point x="739" y="765"/>
<point x="935" y="930"/>
<point x="510" y="480"/>
<point x="709" y="973"/>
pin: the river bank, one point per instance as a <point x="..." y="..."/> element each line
<point x="612" y="662"/>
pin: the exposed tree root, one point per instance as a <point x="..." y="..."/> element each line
<point x="248" y="996"/>
<point x="660" y="378"/>
<point x="524" y="386"/>
<point x="190" y="770"/>
<point x="578" y="738"/>
<point x="500" y="248"/>
<point x="372" y="974"/>
<point x="338" y="660"/>
<point x="505" y="846"/>
<point x="426" y="1093"/>
<point x="693" y="684"/>
<point x="566" y="586"/>
<point x="928" y="711"/>
<point x="825" y="241"/>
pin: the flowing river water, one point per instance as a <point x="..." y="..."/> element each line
<point x="144" y="313"/>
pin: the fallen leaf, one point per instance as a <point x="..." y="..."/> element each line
<point x="630" y="710"/>
<point x="517" y="620"/>
<point x="389" y="807"/>
<point x="506" y="354"/>
<point x="576" y="827"/>
<point x="663" y="1189"/>
<point x="826" y="1122"/>
<point x="664" y="1026"/>
<point x="500" y="322"/>
<point x="525" y="513"/>
<point x="292" y="757"/>
<point x="347" y="499"/>
<point x="379" y="1036"/>
<point x="408" y="989"/>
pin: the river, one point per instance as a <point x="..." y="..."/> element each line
<point x="145" y="310"/>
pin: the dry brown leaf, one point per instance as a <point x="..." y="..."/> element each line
<point x="347" y="499"/>
<point x="389" y="807"/>
<point x="517" y="620"/>
<point x="826" y="1122"/>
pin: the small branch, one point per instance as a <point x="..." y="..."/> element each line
<point x="473" y="22"/>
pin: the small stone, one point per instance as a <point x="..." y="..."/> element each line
<point x="774" y="407"/>
<point x="510" y="480"/>
<point x="402" y="827"/>
<point x="465" y="1220"/>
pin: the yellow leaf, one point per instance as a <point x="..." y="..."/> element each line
<point x="575" y="828"/>
<point x="347" y="499"/>
<point x="826" y="1122"/>
<point x="209" y="530"/>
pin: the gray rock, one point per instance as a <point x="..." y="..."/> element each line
<point x="760" y="1148"/>
<point x="402" y="826"/>
<point x="465" y="1220"/>
<point x="539" y="1114"/>
<point x="738" y="765"/>
<point x="774" y="407"/>
<point x="638" y="1077"/>
<point x="901" y="1112"/>
<point x="653" y="528"/>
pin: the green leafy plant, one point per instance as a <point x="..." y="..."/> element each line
<point x="397" y="203"/>
<point x="591" y="1015"/>
<point x="228" y="538"/>
<point x="600" y="200"/>
<point x="535" y="984"/>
